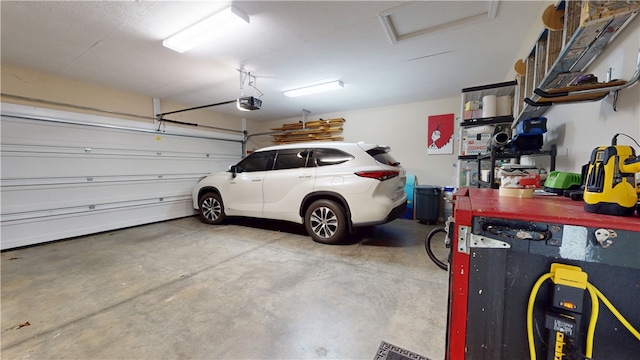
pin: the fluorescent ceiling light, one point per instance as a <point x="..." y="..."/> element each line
<point x="334" y="85"/>
<point x="217" y="24"/>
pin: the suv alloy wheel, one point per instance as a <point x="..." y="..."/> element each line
<point x="326" y="222"/>
<point x="211" y="209"/>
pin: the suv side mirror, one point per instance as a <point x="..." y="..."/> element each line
<point x="234" y="171"/>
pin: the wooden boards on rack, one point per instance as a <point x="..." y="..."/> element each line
<point x="317" y="130"/>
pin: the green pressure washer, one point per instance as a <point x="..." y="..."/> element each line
<point x="559" y="181"/>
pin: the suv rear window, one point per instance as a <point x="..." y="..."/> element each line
<point x="382" y="156"/>
<point x="331" y="156"/>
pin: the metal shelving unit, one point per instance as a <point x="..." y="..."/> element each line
<point x="467" y="163"/>
<point x="494" y="156"/>
<point x="470" y="166"/>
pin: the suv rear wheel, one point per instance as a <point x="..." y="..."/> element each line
<point x="326" y="222"/>
<point x="211" y="208"/>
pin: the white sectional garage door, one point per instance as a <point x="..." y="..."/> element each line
<point x="67" y="174"/>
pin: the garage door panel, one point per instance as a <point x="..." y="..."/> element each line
<point x="53" y="165"/>
<point x="55" y="227"/>
<point x="24" y="199"/>
<point x="36" y="132"/>
<point x="67" y="174"/>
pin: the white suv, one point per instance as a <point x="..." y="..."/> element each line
<point x="330" y="187"/>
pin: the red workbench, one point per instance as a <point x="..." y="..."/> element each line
<point x="489" y="285"/>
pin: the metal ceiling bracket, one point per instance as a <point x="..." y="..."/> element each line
<point x="243" y="78"/>
<point x="305" y="113"/>
<point x="250" y="80"/>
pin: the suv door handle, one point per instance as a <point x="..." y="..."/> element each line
<point x="304" y="176"/>
<point x="256" y="180"/>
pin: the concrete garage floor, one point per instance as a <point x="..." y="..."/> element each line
<point x="251" y="289"/>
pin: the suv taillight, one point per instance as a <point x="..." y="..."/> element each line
<point x="381" y="175"/>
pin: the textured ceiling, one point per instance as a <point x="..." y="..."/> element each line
<point x="442" y="47"/>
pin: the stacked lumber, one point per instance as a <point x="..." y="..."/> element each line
<point x="291" y="126"/>
<point x="318" y="130"/>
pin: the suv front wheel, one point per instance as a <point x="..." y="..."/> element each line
<point x="211" y="209"/>
<point x="326" y="222"/>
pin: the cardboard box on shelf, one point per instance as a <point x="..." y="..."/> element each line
<point x="472" y="105"/>
<point x="475" y="144"/>
<point x="472" y="114"/>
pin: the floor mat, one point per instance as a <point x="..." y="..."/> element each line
<point x="388" y="351"/>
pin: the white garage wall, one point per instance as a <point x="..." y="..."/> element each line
<point x="53" y="91"/>
<point x="66" y="174"/>
<point x="404" y="129"/>
<point x="575" y="128"/>
<point x="581" y="127"/>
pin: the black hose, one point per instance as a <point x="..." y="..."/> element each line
<point x="427" y="244"/>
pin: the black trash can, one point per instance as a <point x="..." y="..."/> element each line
<point x="427" y="202"/>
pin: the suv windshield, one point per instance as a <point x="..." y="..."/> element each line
<point x="382" y="156"/>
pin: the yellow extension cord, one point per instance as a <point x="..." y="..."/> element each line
<point x="594" y="294"/>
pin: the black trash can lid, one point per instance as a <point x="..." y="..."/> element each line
<point x="427" y="188"/>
